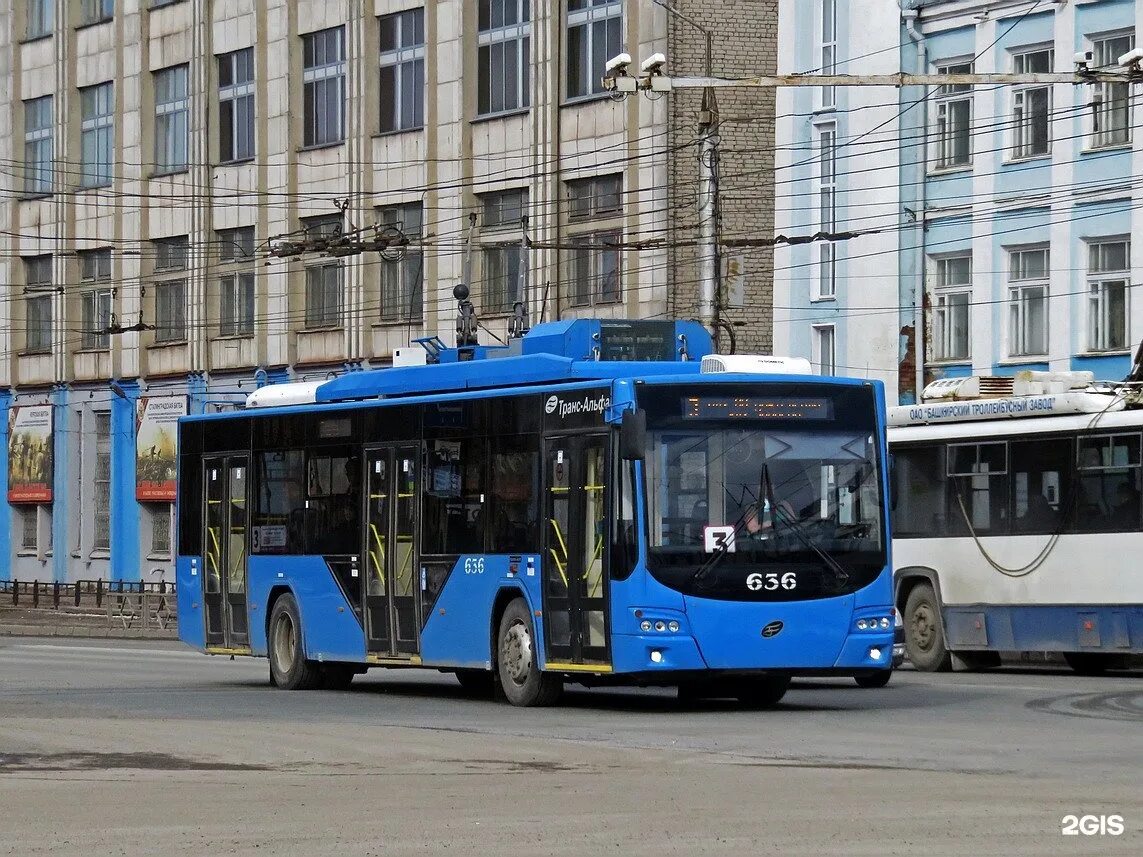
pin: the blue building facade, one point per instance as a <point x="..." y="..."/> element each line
<point x="1015" y="206"/>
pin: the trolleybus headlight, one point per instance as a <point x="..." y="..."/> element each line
<point x="660" y="626"/>
<point x="656" y="656"/>
<point x="875" y="653"/>
<point x="673" y="627"/>
<point x="886" y="622"/>
<point x="862" y="624"/>
<point x="644" y="625"/>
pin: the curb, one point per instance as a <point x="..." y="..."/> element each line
<point x="98" y="633"/>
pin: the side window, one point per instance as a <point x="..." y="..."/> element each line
<point x="454" y="493"/>
<point x="919" y="491"/>
<point x="515" y="476"/>
<point x="333" y="508"/>
<point x="625" y="550"/>
<point x="1041" y="485"/>
<point x="978" y="483"/>
<point x="1109" y="483"/>
<point x="190" y="505"/>
<point x="279" y="520"/>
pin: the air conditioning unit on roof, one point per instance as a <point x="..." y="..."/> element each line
<point x="755" y="364"/>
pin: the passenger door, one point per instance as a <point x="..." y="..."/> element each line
<point x="224" y="544"/>
<point x="391" y="603"/>
<point x="575" y="555"/>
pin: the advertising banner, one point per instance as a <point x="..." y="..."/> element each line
<point x="156" y="447"/>
<point x="30" y="454"/>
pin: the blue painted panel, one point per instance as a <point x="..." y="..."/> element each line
<point x="1107" y="367"/>
<point x="877" y="594"/>
<point x="1009" y="370"/>
<point x="729" y="633"/>
<point x="330" y="628"/>
<point x="1102" y="17"/>
<point x="459" y="631"/>
<point x="1091" y="628"/>
<point x="856" y="651"/>
<point x="6" y="518"/>
<point x="188" y="588"/>
<point x="631" y="653"/>
<point x="951" y="44"/>
<point x="125" y="558"/>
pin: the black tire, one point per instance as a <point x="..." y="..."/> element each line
<point x="924" y="633"/>
<point x="289" y="669"/>
<point x="762" y="692"/>
<point x="1088" y="663"/>
<point x="516" y="662"/>
<point x="337" y="676"/>
<point x="478" y="683"/>
<point x="877" y="679"/>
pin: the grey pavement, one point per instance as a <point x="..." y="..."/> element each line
<point x="143" y="747"/>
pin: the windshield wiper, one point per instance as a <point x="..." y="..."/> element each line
<point x="841" y="576"/>
<point x="720" y="552"/>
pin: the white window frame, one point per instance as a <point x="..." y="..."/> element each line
<point x="171" y="255"/>
<point x="597" y="55"/>
<point x="238" y="98"/>
<point x="1022" y="127"/>
<point x="946" y="304"/>
<point x="96" y="299"/>
<point x="493" y="38"/>
<point x="402" y="278"/>
<point x="827" y="50"/>
<point x="825" y="281"/>
<point x="38" y="146"/>
<point x="41" y="18"/>
<point x="314" y="79"/>
<point x="407" y="59"/>
<point x="1103" y="97"/>
<point x="236" y="281"/>
<point x="1100" y="280"/>
<point x="97" y="134"/>
<point x="824" y="348"/>
<point x="101" y="481"/>
<point x="1022" y="292"/>
<point x="945" y="99"/>
<point x="171" y="119"/>
<point x="503" y="257"/>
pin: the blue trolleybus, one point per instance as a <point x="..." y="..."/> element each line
<point x="598" y="502"/>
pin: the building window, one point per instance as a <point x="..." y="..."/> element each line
<point x="824" y="354"/>
<point x="827" y="209"/>
<point x="828" y="49"/>
<point x="1111" y="102"/>
<point x="1108" y="279"/>
<point x="1032" y="106"/>
<point x="97" y="104"/>
<point x="102" y="494"/>
<point x="502" y="216"/>
<point x="236" y="281"/>
<point x="1028" y="302"/>
<point x="170" y="294"/>
<point x="95" y="274"/>
<point x="504" y="42"/>
<point x="952" y="297"/>
<point x="160" y="531"/>
<point x="38" y="304"/>
<point x="323" y="80"/>
<point x="236" y="106"/>
<point x="323" y="280"/>
<point x="38" y="145"/>
<point x="403" y="70"/>
<point x="595" y="35"/>
<point x="29" y="528"/>
<point x="953" y="106"/>
<point x="595" y="254"/>
<point x="40" y="15"/>
<point x="403" y="276"/>
<point x="171" y="110"/>
<point x="94" y="11"/>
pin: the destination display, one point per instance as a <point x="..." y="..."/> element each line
<point x="756" y="408"/>
<point x="637" y="340"/>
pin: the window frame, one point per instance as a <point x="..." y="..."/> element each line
<point x="946" y="97"/>
<point x="401" y="61"/>
<point x="101" y="483"/>
<point x="39" y="295"/>
<point x="171" y="292"/>
<point x="827" y="51"/>
<point x="172" y="119"/>
<point x="1098" y="280"/>
<point x="1101" y="103"/>
<point x="1023" y="120"/>
<point x="98" y="129"/>
<point x="314" y="79"/>
<point x="821" y="334"/>
<point x="39" y="147"/>
<point x="943" y="309"/>
<point x="40" y="19"/>
<point x="502" y="250"/>
<point x="236" y="280"/>
<point x="490" y="36"/>
<point x="96" y="319"/>
<point x="581" y="17"/>
<point x="238" y="98"/>
<point x="825" y="283"/>
<point x="93" y="12"/>
<point x="402" y="278"/>
<point x="1019" y="299"/>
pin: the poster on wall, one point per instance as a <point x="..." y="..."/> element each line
<point x="30" y="454"/>
<point x="156" y="446"/>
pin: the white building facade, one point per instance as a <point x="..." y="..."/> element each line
<point x="1001" y="218"/>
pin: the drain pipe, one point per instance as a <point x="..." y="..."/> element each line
<point x="909" y="16"/>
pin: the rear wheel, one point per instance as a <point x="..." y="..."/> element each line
<point x="520" y="676"/>
<point x="762" y="692"/>
<point x="1089" y="663"/>
<point x="289" y="668"/>
<point x="877" y="679"/>
<point x="476" y="682"/>
<point x="337" y="676"/>
<point x="924" y="636"/>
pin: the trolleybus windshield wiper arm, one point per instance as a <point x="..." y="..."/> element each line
<point x="841" y="576"/>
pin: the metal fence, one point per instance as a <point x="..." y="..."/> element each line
<point x="54" y="595"/>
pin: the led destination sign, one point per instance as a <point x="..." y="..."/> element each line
<point x="756" y="408"/>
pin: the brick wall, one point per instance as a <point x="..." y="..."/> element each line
<point x="745" y="43"/>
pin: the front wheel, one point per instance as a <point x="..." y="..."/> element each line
<point x="762" y="692"/>
<point x="289" y="668"/>
<point x="924" y="635"/>
<point x="478" y="683"/>
<point x="877" y="679"/>
<point x="1089" y="663"/>
<point x="520" y="676"/>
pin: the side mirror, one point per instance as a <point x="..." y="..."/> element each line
<point x="633" y="435"/>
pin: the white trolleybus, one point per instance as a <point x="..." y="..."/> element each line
<point x="1016" y="521"/>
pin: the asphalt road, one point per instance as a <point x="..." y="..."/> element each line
<point x="124" y="749"/>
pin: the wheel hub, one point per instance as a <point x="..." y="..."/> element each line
<point x="516" y="653"/>
<point x="284" y="643"/>
<point x="923" y="627"/>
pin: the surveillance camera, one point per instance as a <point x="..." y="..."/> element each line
<point x="1083" y="60"/>
<point x="1131" y="57"/>
<point x="618" y="64"/>
<point x="654" y="64"/>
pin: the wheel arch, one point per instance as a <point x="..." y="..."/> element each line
<point x="905" y="580"/>
<point x="504" y="596"/>
<point x="272" y="597"/>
